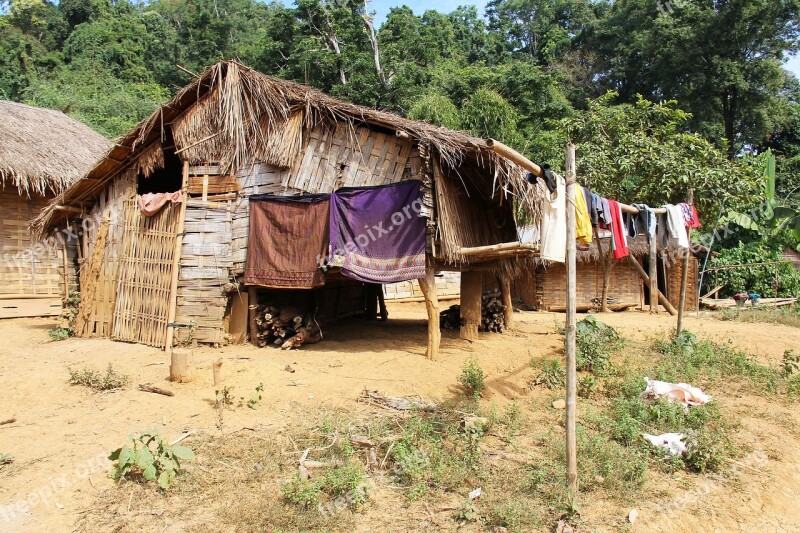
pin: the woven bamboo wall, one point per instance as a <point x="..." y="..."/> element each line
<point x="145" y="271"/>
<point x="329" y="159"/>
<point x="22" y="272"/>
<point x="99" y="288"/>
<point x="551" y="284"/>
<point x="205" y="263"/>
<point x="674" y="275"/>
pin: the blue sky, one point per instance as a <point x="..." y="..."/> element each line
<point x="381" y="8"/>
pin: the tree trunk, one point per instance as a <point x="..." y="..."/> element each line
<point x="181" y="368"/>
<point x="376" y="53"/>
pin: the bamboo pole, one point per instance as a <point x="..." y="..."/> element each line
<point x="572" y="452"/>
<point x="661" y="298"/>
<point x="428" y="286"/>
<point x="176" y="260"/>
<point x="514" y="156"/>
<point x="653" y="275"/>
<point x="513" y="246"/>
<point x="684" y="270"/>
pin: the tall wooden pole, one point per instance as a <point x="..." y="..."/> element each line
<point x="653" y="260"/>
<point x="176" y="259"/>
<point x="685" y="270"/>
<point x="572" y="449"/>
<point x="471" y="292"/>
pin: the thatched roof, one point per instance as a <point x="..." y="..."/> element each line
<point x="234" y="115"/>
<point x="42" y="151"/>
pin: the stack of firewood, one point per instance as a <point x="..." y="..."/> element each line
<point x="451" y="318"/>
<point x="287" y="327"/>
<point x="492" y="313"/>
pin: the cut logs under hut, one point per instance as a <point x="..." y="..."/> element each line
<point x="168" y="211"/>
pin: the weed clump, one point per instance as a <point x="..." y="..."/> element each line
<point x="472" y="378"/>
<point x="98" y="381"/>
<point x="595" y="342"/>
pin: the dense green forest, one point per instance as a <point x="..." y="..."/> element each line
<point x="658" y="94"/>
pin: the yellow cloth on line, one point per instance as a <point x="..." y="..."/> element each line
<point x="583" y="224"/>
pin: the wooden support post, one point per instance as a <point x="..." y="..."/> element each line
<point x="176" y="259"/>
<point x="181" y="368"/>
<point x="471" y="292"/>
<point x="570" y="327"/>
<point x="685" y="270"/>
<point x="252" y="298"/>
<point x="653" y="260"/>
<point x="661" y="298"/>
<point x="428" y="286"/>
<point x="505" y="291"/>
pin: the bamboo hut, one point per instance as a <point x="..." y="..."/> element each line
<point x="233" y="133"/>
<point x="541" y="285"/>
<point x="42" y="151"/>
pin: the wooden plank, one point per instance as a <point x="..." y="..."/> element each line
<point x="222" y="184"/>
<point x="30" y="307"/>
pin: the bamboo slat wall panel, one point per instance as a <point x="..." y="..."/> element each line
<point x="205" y="266"/>
<point x="674" y="274"/>
<point x="145" y="270"/>
<point x="100" y="304"/>
<point x="26" y="269"/>
<point x="624" y="284"/>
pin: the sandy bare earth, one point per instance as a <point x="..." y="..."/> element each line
<point x="62" y="432"/>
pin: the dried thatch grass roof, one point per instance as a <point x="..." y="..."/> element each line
<point x="232" y="114"/>
<point x="42" y="150"/>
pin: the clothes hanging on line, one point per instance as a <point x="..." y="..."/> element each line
<point x="690" y="215"/>
<point x="553" y="232"/>
<point x="379" y="232"/>
<point x="288" y="237"/>
<point x="676" y="225"/>
<point x="619" y="238"/>
<point x="589" y="198"/>
<point x="583" y="224"/>
<point x="645" y="221"/>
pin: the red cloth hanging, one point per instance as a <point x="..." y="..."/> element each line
<point x="695" y="220"/>
<point x="618" y="229"/>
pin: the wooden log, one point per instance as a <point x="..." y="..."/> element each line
<point x="570" y="327"/>
<point x="661" y="298"/>
<point x="471" y="287"/>
<point x="428" y="286"/>
<point x="181" y="368"/>
<point x="653" y="275"/>
<point x="8" y="421"/>
<point x="505" y="246"/>
<point x="684" y="270"/>
<point x="508" y="311"/>
<point x="252" y="297"/>
<point x="176" y="261"/>
<point x="155" y="390"/>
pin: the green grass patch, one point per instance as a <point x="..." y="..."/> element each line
<point x="788" y="315"/>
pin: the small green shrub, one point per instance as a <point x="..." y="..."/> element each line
<point x="98" y="381"/>
<point x="551" y="374"/>
<point x="69" y="313"/>
<point x="59" y="333"/>
<point x="586" y="386"/>
<point x="150" y="457"/>
<point x="472" y="378"/>
<point x="790" y="363"/>
<point x="595" y="342"/>
<point x="708" y="450"/>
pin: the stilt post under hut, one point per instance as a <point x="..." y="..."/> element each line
<point x="428" y="286"/>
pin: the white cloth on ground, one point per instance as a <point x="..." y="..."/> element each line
<point x="680" y="392"/>
<point x="672" y="442"/>
<point x="553" y="231"/>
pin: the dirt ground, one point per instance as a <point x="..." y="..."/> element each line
<point x="61" y="430"/>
